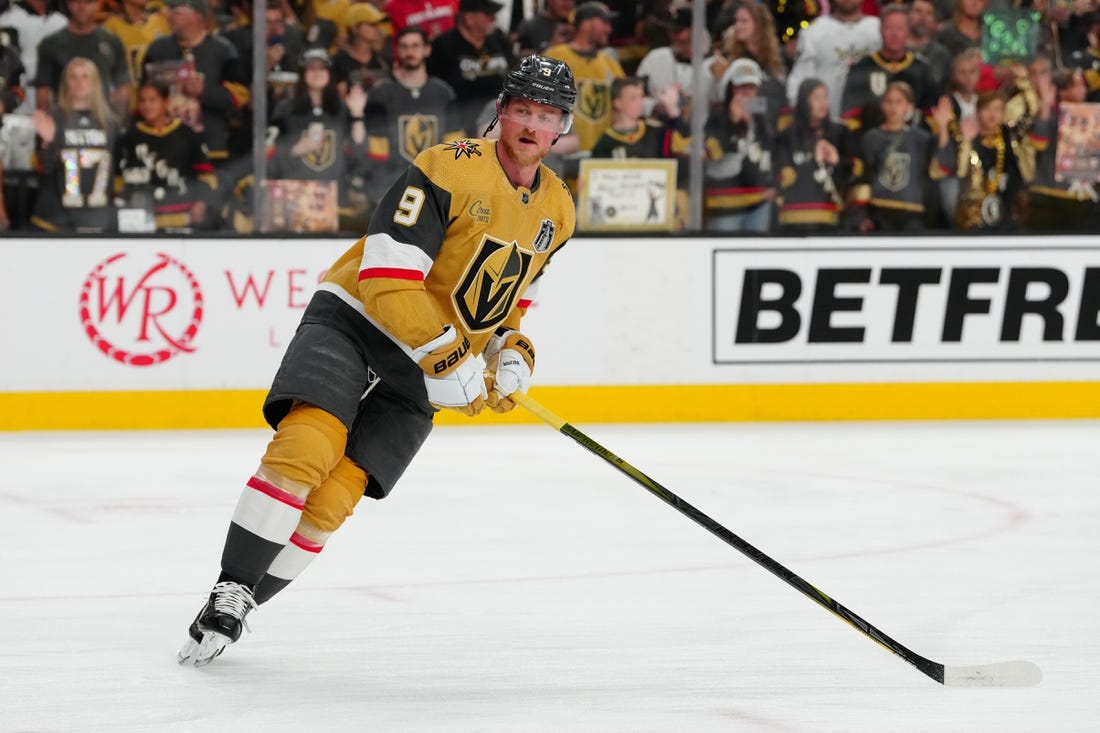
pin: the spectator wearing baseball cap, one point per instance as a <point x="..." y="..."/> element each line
<point x="737" y="171"/>
<point x="216" y="83"/>
<point x="594" y="69"/>
<point x="473" y="57"/>
<point x="366" y="56"/>
<point x="593" y="9"/>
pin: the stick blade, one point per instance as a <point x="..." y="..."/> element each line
<point x="1017" y="673"/>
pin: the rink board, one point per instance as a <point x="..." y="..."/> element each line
<point x="185" y="332"/>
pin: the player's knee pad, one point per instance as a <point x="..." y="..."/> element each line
<point x="334" y="500"/>
<point x="307" y="445"/>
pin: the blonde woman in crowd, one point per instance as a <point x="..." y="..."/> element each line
<point x="74" y="153"/>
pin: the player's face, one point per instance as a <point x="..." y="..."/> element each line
<point x="528" y="129"/>
<point x="152" y="107"/>
<point x="411" y="51"/>
<point x="895" y="33"/>
<point x="630" y="102"/>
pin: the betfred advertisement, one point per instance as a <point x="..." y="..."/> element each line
<point x="907" y="305"/>
<point x="185" y="315"/>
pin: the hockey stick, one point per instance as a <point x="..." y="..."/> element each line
<point x="1002" y="674"/>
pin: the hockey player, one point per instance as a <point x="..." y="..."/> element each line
<point x="396" y="331"/>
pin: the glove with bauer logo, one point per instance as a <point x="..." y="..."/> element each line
<point x="452" y="374"/>
<point x="510" y="359"/>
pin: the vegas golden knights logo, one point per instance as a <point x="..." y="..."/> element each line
<point x="492" y="284"/>
<point x="895" y="171"/>
<point x="321" y="160"/>
<point x="593" y="99"/>
<point x="416" y="134"/>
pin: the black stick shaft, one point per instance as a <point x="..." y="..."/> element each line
<point x="934" y="670"/>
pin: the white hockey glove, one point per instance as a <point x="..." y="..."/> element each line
<point x="510" y="359"/>
<point x="452" y="374"/>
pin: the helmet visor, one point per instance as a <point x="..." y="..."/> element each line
<point x="548" y="119"/>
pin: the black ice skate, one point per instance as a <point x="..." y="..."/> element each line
<point x="218" y="624"/>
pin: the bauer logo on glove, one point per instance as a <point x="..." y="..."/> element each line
<point x="510" y="359"/>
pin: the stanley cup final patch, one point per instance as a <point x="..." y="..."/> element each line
<point x="545" y="237"/>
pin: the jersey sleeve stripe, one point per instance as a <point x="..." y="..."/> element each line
<point x="384" y="256"/>
<point x="391" y="272"/>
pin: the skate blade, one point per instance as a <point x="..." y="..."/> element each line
<point x="201" y="653"/>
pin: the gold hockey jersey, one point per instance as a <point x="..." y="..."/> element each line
<point x="454" y="242"/>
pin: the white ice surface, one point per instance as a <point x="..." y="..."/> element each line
<point x="514" y="583"/>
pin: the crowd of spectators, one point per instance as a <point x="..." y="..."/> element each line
<point x="823" y="115"/>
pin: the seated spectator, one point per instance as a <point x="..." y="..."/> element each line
<point x="550" y="27"/>
<point x="361" y="61"/>
<point x="986" y="164"/>
<point x="889" y="193"/>
<point x="75" y="155"/>
<point x="752" y="36"/>
<point x="869" y="77"/>
<point x="83" y="38"/>
<point x="163" y="167"/>
<point x="324" y="138"/>
<point x="739" y="185"/>
<point x="1058" y="205"/>
<point x="814" y="158"/>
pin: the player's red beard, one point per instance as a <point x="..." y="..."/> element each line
<point x="524" y="155"/>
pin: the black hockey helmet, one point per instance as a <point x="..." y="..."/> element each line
<point x="543" y="80"/>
